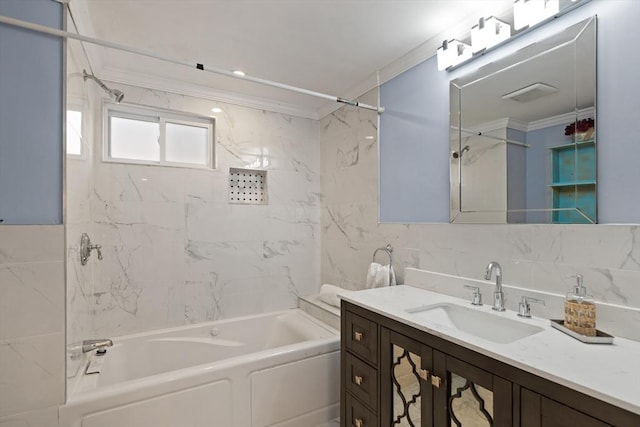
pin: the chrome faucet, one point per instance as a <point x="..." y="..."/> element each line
<point x="498" y="295"/>
<point x="90" y="345"/>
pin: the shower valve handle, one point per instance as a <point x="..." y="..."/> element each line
<point x="86" y="247"/>
<point x="97" y="248"/>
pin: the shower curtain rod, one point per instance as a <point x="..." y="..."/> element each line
<point x="60" y="33"/>
<point x="497" y="138"/>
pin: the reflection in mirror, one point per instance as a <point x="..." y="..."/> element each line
<point x="523" y="146"/>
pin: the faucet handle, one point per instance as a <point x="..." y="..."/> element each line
<point x="477" y="296"/>
<point x="524" y="309"/>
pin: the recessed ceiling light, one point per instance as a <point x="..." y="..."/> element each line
<point x="238" y="73"/>
<point x="216" y="110"/>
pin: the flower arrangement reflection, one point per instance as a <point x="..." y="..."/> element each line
<point x="582" y="128"/>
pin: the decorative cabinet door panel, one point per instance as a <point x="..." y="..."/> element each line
<point x="472" y="397"/>
<point x="406" y="396"/>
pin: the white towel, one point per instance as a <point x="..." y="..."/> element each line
<point x="380" y="275"/>
<point x="330" y="294"/>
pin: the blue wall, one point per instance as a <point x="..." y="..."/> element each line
<point x="414" y="148"/>
<point x="618" y="126"/>
<point x="31" y="119"/>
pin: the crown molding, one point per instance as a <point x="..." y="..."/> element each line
<point x="561" y="119"/>
<point x="511" y="123"/>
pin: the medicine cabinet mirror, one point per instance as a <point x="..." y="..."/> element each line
<point x="523" y="134"/>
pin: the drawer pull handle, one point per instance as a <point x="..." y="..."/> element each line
<point x="424" y="374"/>
<point x="435" y="381"/>
<point x="358" y="422"/>
<point x="358" y="336"/>
<point x="358" y="379"/>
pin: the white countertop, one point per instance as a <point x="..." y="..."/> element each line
<point x="609" y="372"/>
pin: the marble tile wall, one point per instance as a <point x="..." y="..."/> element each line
<point x="175" y="251"/>
<point x="539" y="257"/>
<point x="32" y="328"/>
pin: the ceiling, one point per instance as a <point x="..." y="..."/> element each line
<point x="565" y="61"/>
<point x="335" y="47"/>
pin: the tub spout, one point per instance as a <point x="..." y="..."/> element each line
<point x="90" y="345"/>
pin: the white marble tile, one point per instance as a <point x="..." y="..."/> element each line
<point x="291" y="253"/>
<point x="224" y="260"/>
<point x="138" y="256"/>
<point x="606" y="285"/>
<point x="224" y="223"/>
<point x="31" y="373"/>
<point x="579" y="241"/>
<point x="210" y="187"/>
<point x="281" y="291"/>
<point x="296" y="222"/>
<point x="164" y="215"/>
<point x="125" y="311"/>
<point x="350" y="185"/>
<point x="46" y="417"/>
<point x="293" y="187"/>
<point x="341" y="120"/>
<point x="241" y="297"/>
<point x="119" y="182"/>
<point x="31" y="299"/>
<point x="352" y="223"/>
<point x="31" y="243"/>
<point x="202" y="301"/>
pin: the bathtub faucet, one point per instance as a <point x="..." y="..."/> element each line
<point x="90" y="345"/>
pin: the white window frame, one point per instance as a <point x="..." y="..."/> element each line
<point x="162" y="117"/>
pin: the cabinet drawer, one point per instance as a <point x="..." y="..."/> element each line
<point x="357" y="415"/>
<point x="362" y="337"/>
<point x="362" y="381"/>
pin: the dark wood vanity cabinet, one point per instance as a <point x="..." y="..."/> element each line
<point x="396" y="375"/>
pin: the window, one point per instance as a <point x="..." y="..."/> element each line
<point x="157" y="137"/>
<point x="74" y="133"/>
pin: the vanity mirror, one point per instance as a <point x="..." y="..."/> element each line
<point x="523" y="141"/>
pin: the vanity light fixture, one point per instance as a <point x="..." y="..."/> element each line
<point x="488" y="32"/>
<point x="527" y="13"/>
<point x="451" y="53"/>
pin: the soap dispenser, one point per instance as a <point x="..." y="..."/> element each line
<point x="580" y="310"/>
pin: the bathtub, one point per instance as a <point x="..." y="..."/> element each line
<point x="276" y="369"/>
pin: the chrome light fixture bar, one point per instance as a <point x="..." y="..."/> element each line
<point x="527" y="13"/>
<point x="488" y="33"/>
<point x="491" y="32"/>
<point x="452" y="52"/>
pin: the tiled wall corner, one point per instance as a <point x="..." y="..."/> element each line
<point x="32" y="329"/>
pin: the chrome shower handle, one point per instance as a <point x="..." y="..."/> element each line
<point x="86" y="247"/>
<point x="97" y="248"/>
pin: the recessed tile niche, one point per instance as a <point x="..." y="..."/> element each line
<point x="247" y="186"/>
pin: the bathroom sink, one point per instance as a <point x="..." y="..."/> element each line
<point x="488" y="326"/>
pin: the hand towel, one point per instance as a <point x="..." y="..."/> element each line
<point x="380" y="275"/>
<point x="330" y="294"/>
